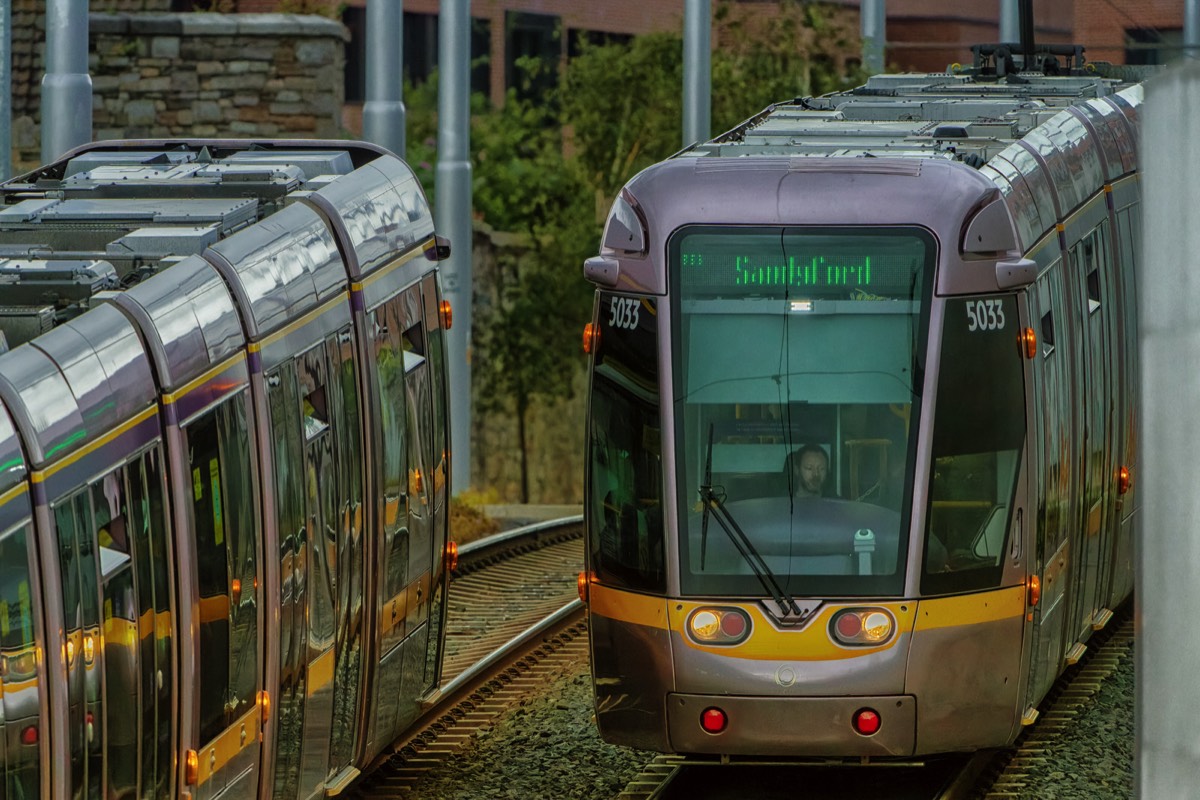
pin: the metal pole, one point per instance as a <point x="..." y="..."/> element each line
<point x="1025" y="13"/>
<point x="453" y="218"/>
<point x="873" y="22"/>
<point x="1010" y="22"/>
<point x="66" y="86"/>
<point x="1168" y="648"/>
<point x="1191" y="28"/>
<point x="697" y="71"/>
<point x="384" y="113"/>
<point x="5" y="90"/>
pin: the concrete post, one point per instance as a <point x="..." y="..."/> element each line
<point x="697" y="71"/>
<point x="873" y="22"/>
<point x="1167" y="543"/>
<point x="383" y="113"/>
<point x="66" y="86"/>
<point x="452" y="217"/>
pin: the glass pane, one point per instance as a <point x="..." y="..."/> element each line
<point x="154" y="608"/>
<point x="120" y="614"/>
<point x="977" y="442"/>
<point x="624" y="491"/>
<point x="241" y="524"/>
<point x="799" y="362"/>
<point x="283" y="399"/>
<point x="22" y="691"/>
<point x="209" y="520"/>
<point x="343" y="399"/>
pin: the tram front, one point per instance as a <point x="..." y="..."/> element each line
<point x="803" y="462"/>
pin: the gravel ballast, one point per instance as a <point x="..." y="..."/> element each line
<point x="548" y="747"/>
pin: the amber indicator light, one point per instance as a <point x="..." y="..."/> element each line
<point x="264" y="704"/>
<point x="1124" y="480"/>
<point x="1035" y="590"/>
<point x="191" y="772"/>
<point x="1029" y="342"/>
<point x="581" y="586"/>
<point x="450" y="556"/>
<point x="447" y="314"/>
<point x="591" y="338"/>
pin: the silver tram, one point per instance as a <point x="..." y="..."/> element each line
<point x="861" y="426"/>
<point x="223" y="491"/>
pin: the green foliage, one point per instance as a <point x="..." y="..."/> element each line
<point x="624" y="103"/>
<point x="546" y="167"/>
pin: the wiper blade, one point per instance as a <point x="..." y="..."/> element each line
<point x="715" y="503"/>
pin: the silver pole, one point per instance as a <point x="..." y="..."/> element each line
<point x="1010" y="23"/>
<point x="873" y="21"/>
<point x="1168" y="648"/>
<point x="383" y="113"/>
<point x="1191" y="28"/>
<point x="453" y="218"/>
<point x="66" y="86"/>
<point x="697" y="71"/>
<point x="5" y="90"/>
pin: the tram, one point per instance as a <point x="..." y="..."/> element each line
<point x="861" y="423"/>
<point x="223" y="468"/>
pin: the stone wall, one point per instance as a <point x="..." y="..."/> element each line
<point x="190" y="75"/>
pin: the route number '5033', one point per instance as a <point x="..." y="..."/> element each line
<point x="624" y="313"/>
<point x="985" y="315"/>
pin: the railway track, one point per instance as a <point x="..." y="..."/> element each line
<point x="512" y="618"/>
<point x="988" y="775"/>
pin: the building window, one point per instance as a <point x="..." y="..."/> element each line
<point x="1152" y="45"/>
<point x="537" y="36"/>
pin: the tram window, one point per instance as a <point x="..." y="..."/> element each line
<point x="977" y="441"/>
<point x="1047" y="333"/>
<point x="224" y="525"/>
<point x="80" y="592"/>
<point x="624" y="497"/>
<point x="20" y="684"/>
<point x="390" y="361"/>
<point x="155" y="647"/>
<point x="1093" y="287"/>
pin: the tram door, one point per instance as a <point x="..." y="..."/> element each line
<point x="440" y="475"/>
<point x="1052" y="453"/>
<point x="308" y="414"/>
<point x="1091" y="537"/>
<point x="418" y="405"/>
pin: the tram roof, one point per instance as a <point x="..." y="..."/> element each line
<point x="959" y="116"/>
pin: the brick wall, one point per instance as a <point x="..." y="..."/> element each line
<point x="163" y="75"/>
<point x="1100" y="24"/>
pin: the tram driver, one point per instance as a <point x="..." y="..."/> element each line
<point x="809" y="468"/>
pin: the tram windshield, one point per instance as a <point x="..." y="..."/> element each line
<point x="799" y="357"/>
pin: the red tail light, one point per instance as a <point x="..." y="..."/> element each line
<point x="866" y="721"/>
<point x="29" y="735"/>
<point x="713" y="720"/>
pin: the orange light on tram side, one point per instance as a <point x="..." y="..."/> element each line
<point x="1124" y="480"/>
<point x="264" y="705"/>
<point x="191" y="772"/>
<point x="591" y="338"/>
<point x="1035" y="590"/>
<point x="581" y="585"/>
<point x="447" y="314"/>
<point x="450" y="556"/>
<point x="235" y="590"/>
<point x="1029" y="342"/>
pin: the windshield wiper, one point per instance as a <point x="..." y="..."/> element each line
<point x="715" y="503"/>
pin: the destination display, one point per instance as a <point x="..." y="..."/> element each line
<point x="802" y="264"/>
